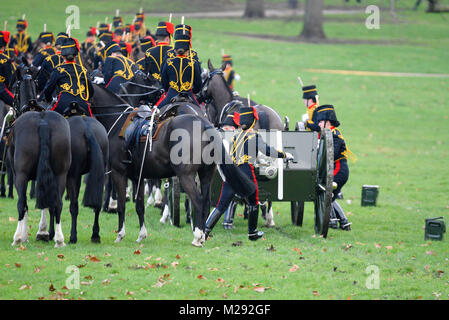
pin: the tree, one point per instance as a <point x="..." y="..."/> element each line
<point x="254" y="9"/>
<point x="432" y="6"/>
<point x="313" y="20"/>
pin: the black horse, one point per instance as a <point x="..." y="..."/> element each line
<point x="141" y="89"/>
<point x="159" y="163"/>
<point x="90" y="152"/>
<point x="40" y="150"/>
<point x="5" y="165"/>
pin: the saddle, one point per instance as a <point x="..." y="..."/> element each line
<point x="74" y="110"/>
<point x="32" y="105"/>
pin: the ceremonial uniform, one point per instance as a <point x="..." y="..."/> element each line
<point x="6" y="71"/>
<point x="47" y="38"/>
<point x="184" y="29"/>
<point x="341" y="169"/>
<point x="117" y="69"/>
<point x="310" y="92"/>
<point x="145" y="44"/>
<point x="104" y="37"/>
<point x="71" y="82"/>
<point x="51" y="62"/>
<point x="245" y="146"/>
<point x="228" y="73"/>
<point x="155" y="57"/>
<point x="21" y="41"/>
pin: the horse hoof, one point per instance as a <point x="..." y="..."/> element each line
<point x="158" y="205"/>
<point x="197" y="243"/>
<point x="43" y="237"/>
<point x="95" y="240"/>
<point x="73" y="241"/>
<point x="118" y="239"/>
<point x="16" y="243"/>
<point x="269" y="225"/>
<point x="59" y="244"/>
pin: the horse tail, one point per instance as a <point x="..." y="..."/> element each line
<point x="93" y="195"/>
<point x="229" y="172"/>
<point x="46" y="183"/>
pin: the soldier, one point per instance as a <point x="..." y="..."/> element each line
<point x="326" y="118"/>
<point x="139" y="26"/>
<point x="229" y="73"/>
<point x="6" y="71"/>
<point x="118" y="34"/>
<point x="117" y="21"/>
<point x="51" y="62"/>
<point x="145" y="44"/>
<point x="245" y="145"/>
<point x="155" y="56"/>
<point x="117" y="68"/>
<point x="70" y="80"/>
<point x="184" y="29"/>
<point x="45" y="42"/>
<point x="104" y="38"/>
<point x="88" y="47"/>
<point x="126" y="49"/>
<point x="310" y="99"/>
<point x="21" y="41"/>
<point x="182" y="73"/>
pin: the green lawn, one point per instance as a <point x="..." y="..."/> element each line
<point x="396" y="126"/>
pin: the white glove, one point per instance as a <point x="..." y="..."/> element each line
<point x="305" y="117"/>
<point x="289" y="156"/>
<point x="301" y="126"/>
<point x="98" y="80"/>
<point x="237" y="77"/>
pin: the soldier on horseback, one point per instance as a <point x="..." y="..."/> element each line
<point x="117" y="68"/>
<point x="326" y="118"/>
<point x="245" y="146"/>
<point x="183" y="28"/>
<point x="71" y="81"/>
<point x="21" y="41"/>
<point x="181" y="74"/>
<point x="229" y="73"/>
<point x="155" y="56"/>
<point x="51" y="62"/>
<point x="45" y="42"/>
<point x="6" y="70"/>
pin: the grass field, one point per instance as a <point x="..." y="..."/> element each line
<point x="397" y="127"/>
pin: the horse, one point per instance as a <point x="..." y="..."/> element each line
<point x="159" y="163"/>
<point x="90" y="152"/>
<point x="39" y="149"/>
<point x="217" y="93"/>
<point x="141" y="89"/>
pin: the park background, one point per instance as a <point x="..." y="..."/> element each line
<point x="396" y="125"/>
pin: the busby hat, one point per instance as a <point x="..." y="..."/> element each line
<point x="104" y="27"/>
<point x="111" y="47"/>
<point x="105" y="37"/>
<point x="70" y="47"/>
<point x="246" y="117"/>
<point x="182" y="41"/>
<point x="60" y="38"/>
<point x="22" y="24"/>
<point x="140" y="16"/>
<point x="229" y="121"/>
<point x="119" y="31"/>
<point x="129" y="28"/>
<point x="326" y="112"/>
<point x="183" y="29"/>
<point x="164" y="29"/>
<point x="309" y="92"/>
<point x="4" y="38"/>
<point x="46" y="37"/>
<point x="138" y="25"/>
<point x="117" y="21"/>
<point x="226" y="58"/>
<point x="147" y="43"/>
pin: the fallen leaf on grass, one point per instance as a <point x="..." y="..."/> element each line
<point x="294" y="268"/>
<point x="201" y="277"/>
<point x="129" y="293"/>
<point x="224" y="296"/>
<point x="11" y="219"/>
<point x="389" y="247"/>
<point x="106" y="282"/>
<point x="92" y="258"/>
<point x="178" y="256"/>
<point x="348" y="246"/>
<point x="237" y="243"/>
<point x="38" y="269"/>
<point x="174" y="264"/>
<point x="297" y="250"/>
<point x="271" y="248"/>
<point x="377" y="245"/>
<point x="25" y="286"/>
<point x="60" y="256"/>
<point x="259" y="289"/>
<point x="430" y="253"/>
<point x="18" y="265"/>
<point x="51" y="288"/>
<point x="137" y="251"/>
<point x="315" y="293"/>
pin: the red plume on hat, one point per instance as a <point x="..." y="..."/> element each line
<point x="236" y="118"/>
<point x="77" y="44"/>
<point x="255" y="113"/>
<point x="6" y="35"/>
<point x="93" y="30"/>
<point x="129" y="47"/>
<point x="170" y="27"/>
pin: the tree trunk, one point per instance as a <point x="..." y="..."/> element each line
<point x="254" y="9"/>
<point x="313" y="20"/>
<point x="432" y="6"/>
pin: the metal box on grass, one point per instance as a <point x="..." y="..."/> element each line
<point x="369" y="195"/>
<point x="435" y="228"/>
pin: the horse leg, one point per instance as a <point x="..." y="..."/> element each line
<point x="120" y="182"/>
<point x="188" y="184"/>
<point x="10" y="181"/>
<point x="96" y="228"/>
<point x="140" y="209"/>
<point x="158" y="194"/>
<point x="107" y="195"/>
<point x="21" y="234"/>
<point x="33" y="189"/>
<point x="73" y="189"/>
<point x="42" y="234"/>
<point x="269" y="215"/>
<point x="205" y="176"/>
<point x="2" y="185"/>
<point x="59" y="236"/>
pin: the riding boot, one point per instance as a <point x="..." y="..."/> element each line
<point x="344" y="223"/>
<point x="245" y="213"/>
<point x="253" y="215"/>
<point x="333" y="219"/>
<point x="212" y="220"/>
<point x="228" y="221"/>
